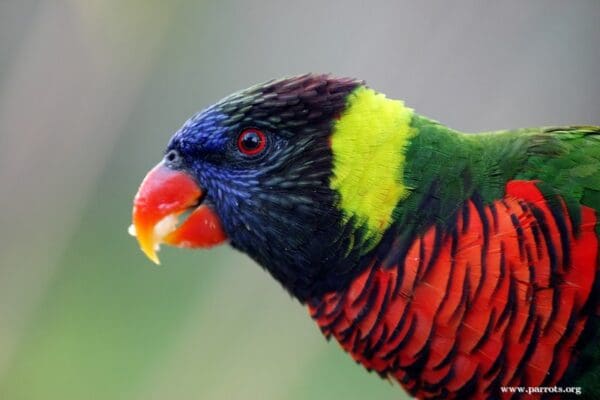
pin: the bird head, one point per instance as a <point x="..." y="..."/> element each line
<point x="258" y="169"/>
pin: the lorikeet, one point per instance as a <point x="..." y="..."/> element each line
<point x="457" y="264"/>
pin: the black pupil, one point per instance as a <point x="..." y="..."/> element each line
<point x="251" y="141"/>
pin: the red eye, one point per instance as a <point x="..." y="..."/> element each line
<point x="251" y="141"/>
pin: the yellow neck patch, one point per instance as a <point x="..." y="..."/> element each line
<point x="368" y="145"/>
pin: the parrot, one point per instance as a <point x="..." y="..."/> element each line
<point x="459" y="265"/>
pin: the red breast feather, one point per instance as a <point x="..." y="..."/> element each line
<point x="497" y="301"/>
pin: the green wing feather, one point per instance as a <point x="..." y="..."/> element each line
<point x="451" y="165"/>
<point x="568" y="159"/>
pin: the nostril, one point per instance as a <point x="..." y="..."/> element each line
<point x="172" y="158"/>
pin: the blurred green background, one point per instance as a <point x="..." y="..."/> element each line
<point x="90" y="92"/>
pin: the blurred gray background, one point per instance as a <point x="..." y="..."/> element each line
<point x="90" y="92"/>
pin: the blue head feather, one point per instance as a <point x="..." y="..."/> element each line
<point x="275" y="206"/>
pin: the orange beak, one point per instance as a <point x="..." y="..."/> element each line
<point x="162" y="197"/>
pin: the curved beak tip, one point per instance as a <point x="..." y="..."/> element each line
<point x="151" y="254"/>
<point x="149" y="248"/>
